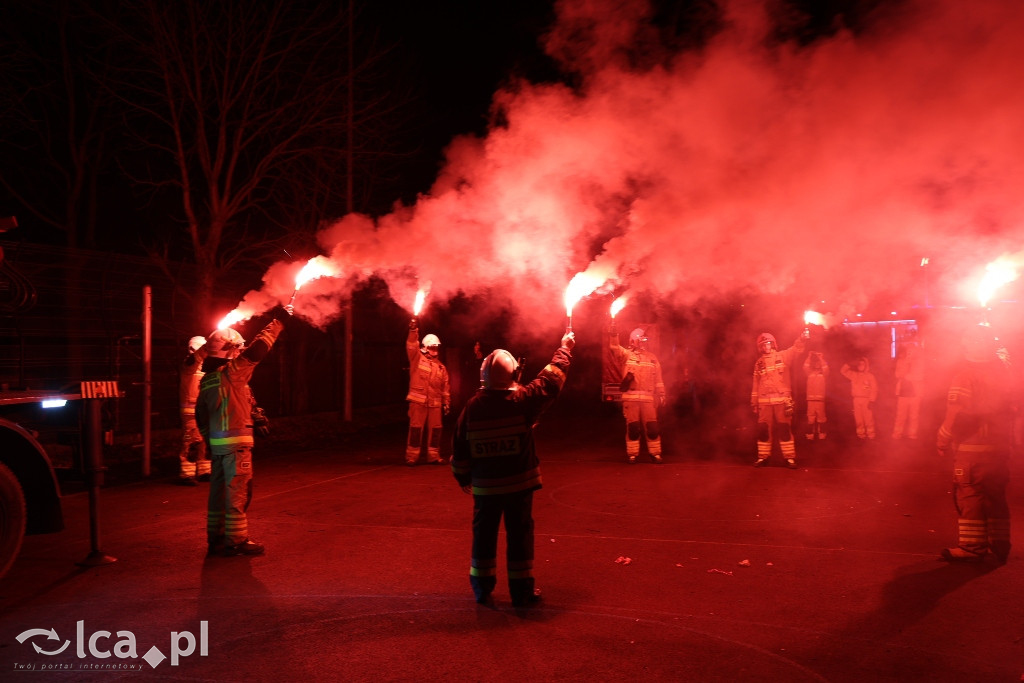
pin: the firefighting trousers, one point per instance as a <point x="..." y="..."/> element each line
<point x="979" y="492"/>
<point x="816" y="419"/>
<point x="908" y="410"/>
<point x="517" y="511"/>
<point x="641" y="423"/>
<point x="424" y="420"/>
<point x="863" y="417"/>
<point x="230" y="495"/>
<point x="193" y="459"/>
<point x="773" y="421"/>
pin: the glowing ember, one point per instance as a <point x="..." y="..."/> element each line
<point x="814" y="318"/>
<point x="997" y="274"/>
<point x="417" y="305"/>
<point x="581" y="285"/>
<point x="231" y="318"/>
<point x="618" y="305"/>
<point x="316" y="267"/>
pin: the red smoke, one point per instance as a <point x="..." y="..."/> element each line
<point x="818" y="172"/>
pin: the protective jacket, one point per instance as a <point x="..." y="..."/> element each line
<point x="979" y="411"/>
<point x="190" y="374"/>
<point x="493" y="447"/>
<point x="647" y="383"/>
<point x="428" y="377"/>
<point x="224" y="408"/>
<point x="772" y="381"/>
<point x="862" y="382"/>
<point x="816" y="381"/>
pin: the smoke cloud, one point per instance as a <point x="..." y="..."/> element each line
<point x="824" y="171"/>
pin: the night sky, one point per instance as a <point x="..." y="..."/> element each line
<point x="686" y="152"/>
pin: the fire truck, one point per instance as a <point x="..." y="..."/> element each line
<point x="30" y="495"/>
<point x="29" y="492"/>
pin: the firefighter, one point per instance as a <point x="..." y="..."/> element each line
<point x="494" y="458"/>
<point x="816" y="370"/>
<point x="195" y="466"/>
<point x="429" y="396"/>
<point x="771" y="397"/>
<point x="864" y="392"/>
<point x="224" y="416"/>
<point x="978" y="431"/>
<point x="909" y="374"/>
<point x="643" y="392"/>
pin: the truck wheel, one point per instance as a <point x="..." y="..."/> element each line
<point x="12" y="518"/>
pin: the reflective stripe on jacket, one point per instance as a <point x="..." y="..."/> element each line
<point x="224" y="408"/>
<point x="494" y="448"/>
<point x="428" y="377"/>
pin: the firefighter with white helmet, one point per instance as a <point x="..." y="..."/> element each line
<point x="771" y="397"/>
<point x="494" y="458"/>
<point x="224" y="413"/>
<point x="863" y="394"/>
<point x="978" y="430"/>
<point x="643" y="392"/>
<point x="190" y="372"/>
<point x="429" y="396"/>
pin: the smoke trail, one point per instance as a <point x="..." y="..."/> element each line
<point x="823" y="171"/>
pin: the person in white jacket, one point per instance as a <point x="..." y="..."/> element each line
<point x="864" y="391"/>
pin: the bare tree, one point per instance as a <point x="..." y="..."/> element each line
<point x="242" y="99"/>
<point x="54" y="122"/>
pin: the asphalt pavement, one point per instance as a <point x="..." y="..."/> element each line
<point x="701" y="569"/>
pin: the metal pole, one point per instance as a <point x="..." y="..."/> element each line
<point x="350" y="199"/>
<point x="348" y="362"/>
<point x="147" y="378"/>
<point x="94" y="474"/>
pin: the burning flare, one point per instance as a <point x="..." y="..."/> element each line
<point x="417" y="306"/>
<point x="814" y="318"/>
<point x="231" y="318"/>
<point x="580" y="286"/>
<point x="998" y="273"/>
<point x="618" y="305"/>
<point x="316" y="267"/>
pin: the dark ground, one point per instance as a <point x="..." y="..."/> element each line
<point x="825" y="573"/>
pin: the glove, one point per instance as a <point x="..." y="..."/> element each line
<point x="626" y="382"/>
<point x="260" y="422"/>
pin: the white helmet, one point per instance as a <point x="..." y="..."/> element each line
<point x="638" y="339"/>
<point x="498" y="371"/>
<point x="430" y="344"/>
<point x="766" y="338"/>
<point x="225" y="343"/>
<point x="194" y="343"/>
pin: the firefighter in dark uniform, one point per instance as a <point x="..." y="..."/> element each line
<point x="495" y="459"/>
<point x="224" y="413"/>
<point x="978" y="430"/>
